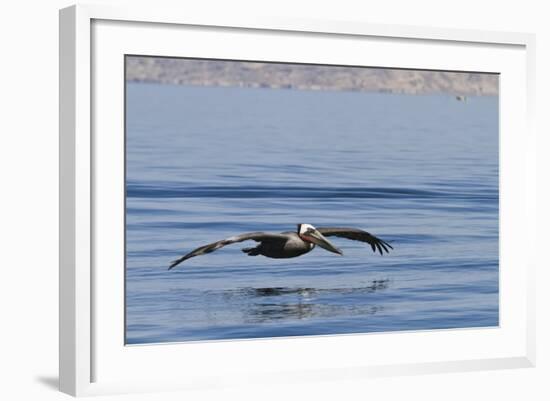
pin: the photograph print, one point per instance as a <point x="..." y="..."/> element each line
<point x="267" y="199"/>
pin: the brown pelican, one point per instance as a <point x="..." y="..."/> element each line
<point x="291" y="244"/>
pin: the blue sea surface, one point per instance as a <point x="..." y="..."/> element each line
<point x="206" y="163"/>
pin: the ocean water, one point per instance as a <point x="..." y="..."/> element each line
<point x="206" y="163"/>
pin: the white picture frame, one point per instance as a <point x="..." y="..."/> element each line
<point x="93" y="358"/>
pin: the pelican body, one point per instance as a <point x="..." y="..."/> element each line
<point x="290" y="244"/>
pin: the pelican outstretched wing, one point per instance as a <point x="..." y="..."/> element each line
<point x="257" y="236"/>
<point x="356" y="235"/>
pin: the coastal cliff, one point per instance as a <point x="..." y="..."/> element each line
<point x="306" y="76"/>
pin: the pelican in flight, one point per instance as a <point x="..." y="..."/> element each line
<point x="291" y="244"/>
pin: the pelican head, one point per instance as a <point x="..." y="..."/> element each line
<point x="310" y="234"/>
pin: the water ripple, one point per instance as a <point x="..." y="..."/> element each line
<point x="135" y="190"/>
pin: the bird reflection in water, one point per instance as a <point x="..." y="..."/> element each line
<point x="274" y="291"/>
<point x="267" y="304"/>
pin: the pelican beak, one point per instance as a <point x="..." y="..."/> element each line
<point x="319" y="239"/>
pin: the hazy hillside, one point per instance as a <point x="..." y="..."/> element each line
<point x="311" y="77"/>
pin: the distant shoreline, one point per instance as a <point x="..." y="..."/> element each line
<point x="201" y="72"/>
<point x="382" y="92"/>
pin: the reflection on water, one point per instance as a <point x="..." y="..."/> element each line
<point x="266" y="312"/>
<point x="306" y="292"/>
<point x="301" y="303"/>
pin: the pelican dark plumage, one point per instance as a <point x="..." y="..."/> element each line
<point x="290" y="244"/>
